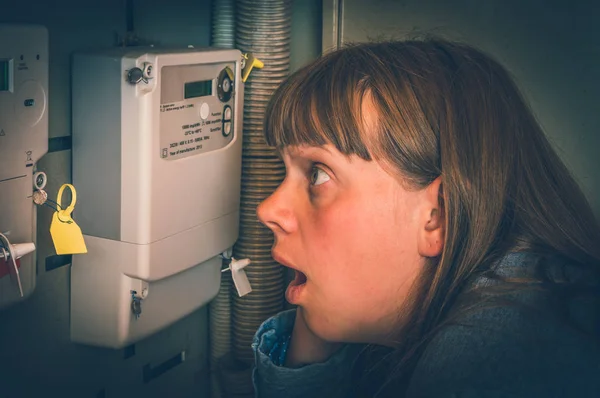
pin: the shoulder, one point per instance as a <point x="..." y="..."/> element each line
<point x="271" y="380"/>
<point x="508" y="351"/>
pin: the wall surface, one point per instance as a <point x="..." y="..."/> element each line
<point x="552" y="48"/>
<point x="37" y="358"/>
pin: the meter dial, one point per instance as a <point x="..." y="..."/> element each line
<point x="224" y="86"/>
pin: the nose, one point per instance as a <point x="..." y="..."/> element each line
<point x="276" y="211"/>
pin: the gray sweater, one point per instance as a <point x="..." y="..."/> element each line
<point x="502" y="351"/>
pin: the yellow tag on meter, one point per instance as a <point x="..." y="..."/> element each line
<point x="65" y="233"/>
<point x="251" y="63"/>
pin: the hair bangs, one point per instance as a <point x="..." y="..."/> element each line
<point x="316" y="106"/>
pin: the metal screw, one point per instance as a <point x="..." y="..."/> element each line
<point x="136" y="307"/>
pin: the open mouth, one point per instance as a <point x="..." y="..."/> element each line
<point x="299" y="279"/>
<point x="295" y="288"/>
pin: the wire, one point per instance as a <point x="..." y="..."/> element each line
<point x="11" y="253"/>
<point x="50" y="206"/>
<point x="69" y="221"/>
<point x="58" y="206"/>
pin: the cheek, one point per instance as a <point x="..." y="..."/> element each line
<point x="353" y="245"/>
<point x="364" y="230"/>
<point x="366" y="256"/>
<point x="334" y="232"/>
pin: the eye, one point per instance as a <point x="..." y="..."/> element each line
<point x="318" y="176"/>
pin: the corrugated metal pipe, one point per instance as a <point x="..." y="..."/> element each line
<point x="219" y="309"/>
<point x="263" y="28"/>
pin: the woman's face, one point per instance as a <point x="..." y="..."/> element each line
<point x="354" y="236"/>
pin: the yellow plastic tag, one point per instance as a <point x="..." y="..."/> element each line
<point x="251" y="63"/>
<point x="65" y="233"/>
<point x="229" y="73"/>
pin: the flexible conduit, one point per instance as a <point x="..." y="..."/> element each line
<point x="219" y="309"/>
<point x="223" y="24"/>
<point x="263" y="27"/>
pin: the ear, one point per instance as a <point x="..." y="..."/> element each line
<point x="432" y="227"/>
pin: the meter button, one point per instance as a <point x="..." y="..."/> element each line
<point x="227" y="113"/>
<point x="204" y="111"/>
<point x="226" y="128"/>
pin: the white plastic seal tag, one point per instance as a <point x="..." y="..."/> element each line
<point x="240" y="279"/>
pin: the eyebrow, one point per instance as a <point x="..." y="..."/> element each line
<point x="305" y="150"/>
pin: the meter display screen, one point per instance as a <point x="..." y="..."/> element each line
<point x="4" y="75"/>
<point x="198" y="89"/>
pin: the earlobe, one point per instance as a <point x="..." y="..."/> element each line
<point x="431" y="239"/>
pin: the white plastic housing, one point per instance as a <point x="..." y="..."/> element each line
<point x="23" y="141"/>
<point x="158" y="187"/>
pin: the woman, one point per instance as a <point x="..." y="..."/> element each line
<point x="440" y="246"/>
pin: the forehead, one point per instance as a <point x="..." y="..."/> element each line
<point x="369" y="118"/>
<point x="364" y="131"/>
<point x="316" y="106"/>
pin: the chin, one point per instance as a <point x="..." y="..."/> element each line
<point x="334" y="330"/>
<point x="326" y="328"/>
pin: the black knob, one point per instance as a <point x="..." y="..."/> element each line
<point x="135" y="75"/>
<point x="224" y="86"/>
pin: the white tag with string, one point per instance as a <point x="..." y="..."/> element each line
<point x="240" y="279"/>
<point x="14" y="252"/>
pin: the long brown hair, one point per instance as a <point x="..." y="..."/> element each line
<point x="445" y="109"/>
